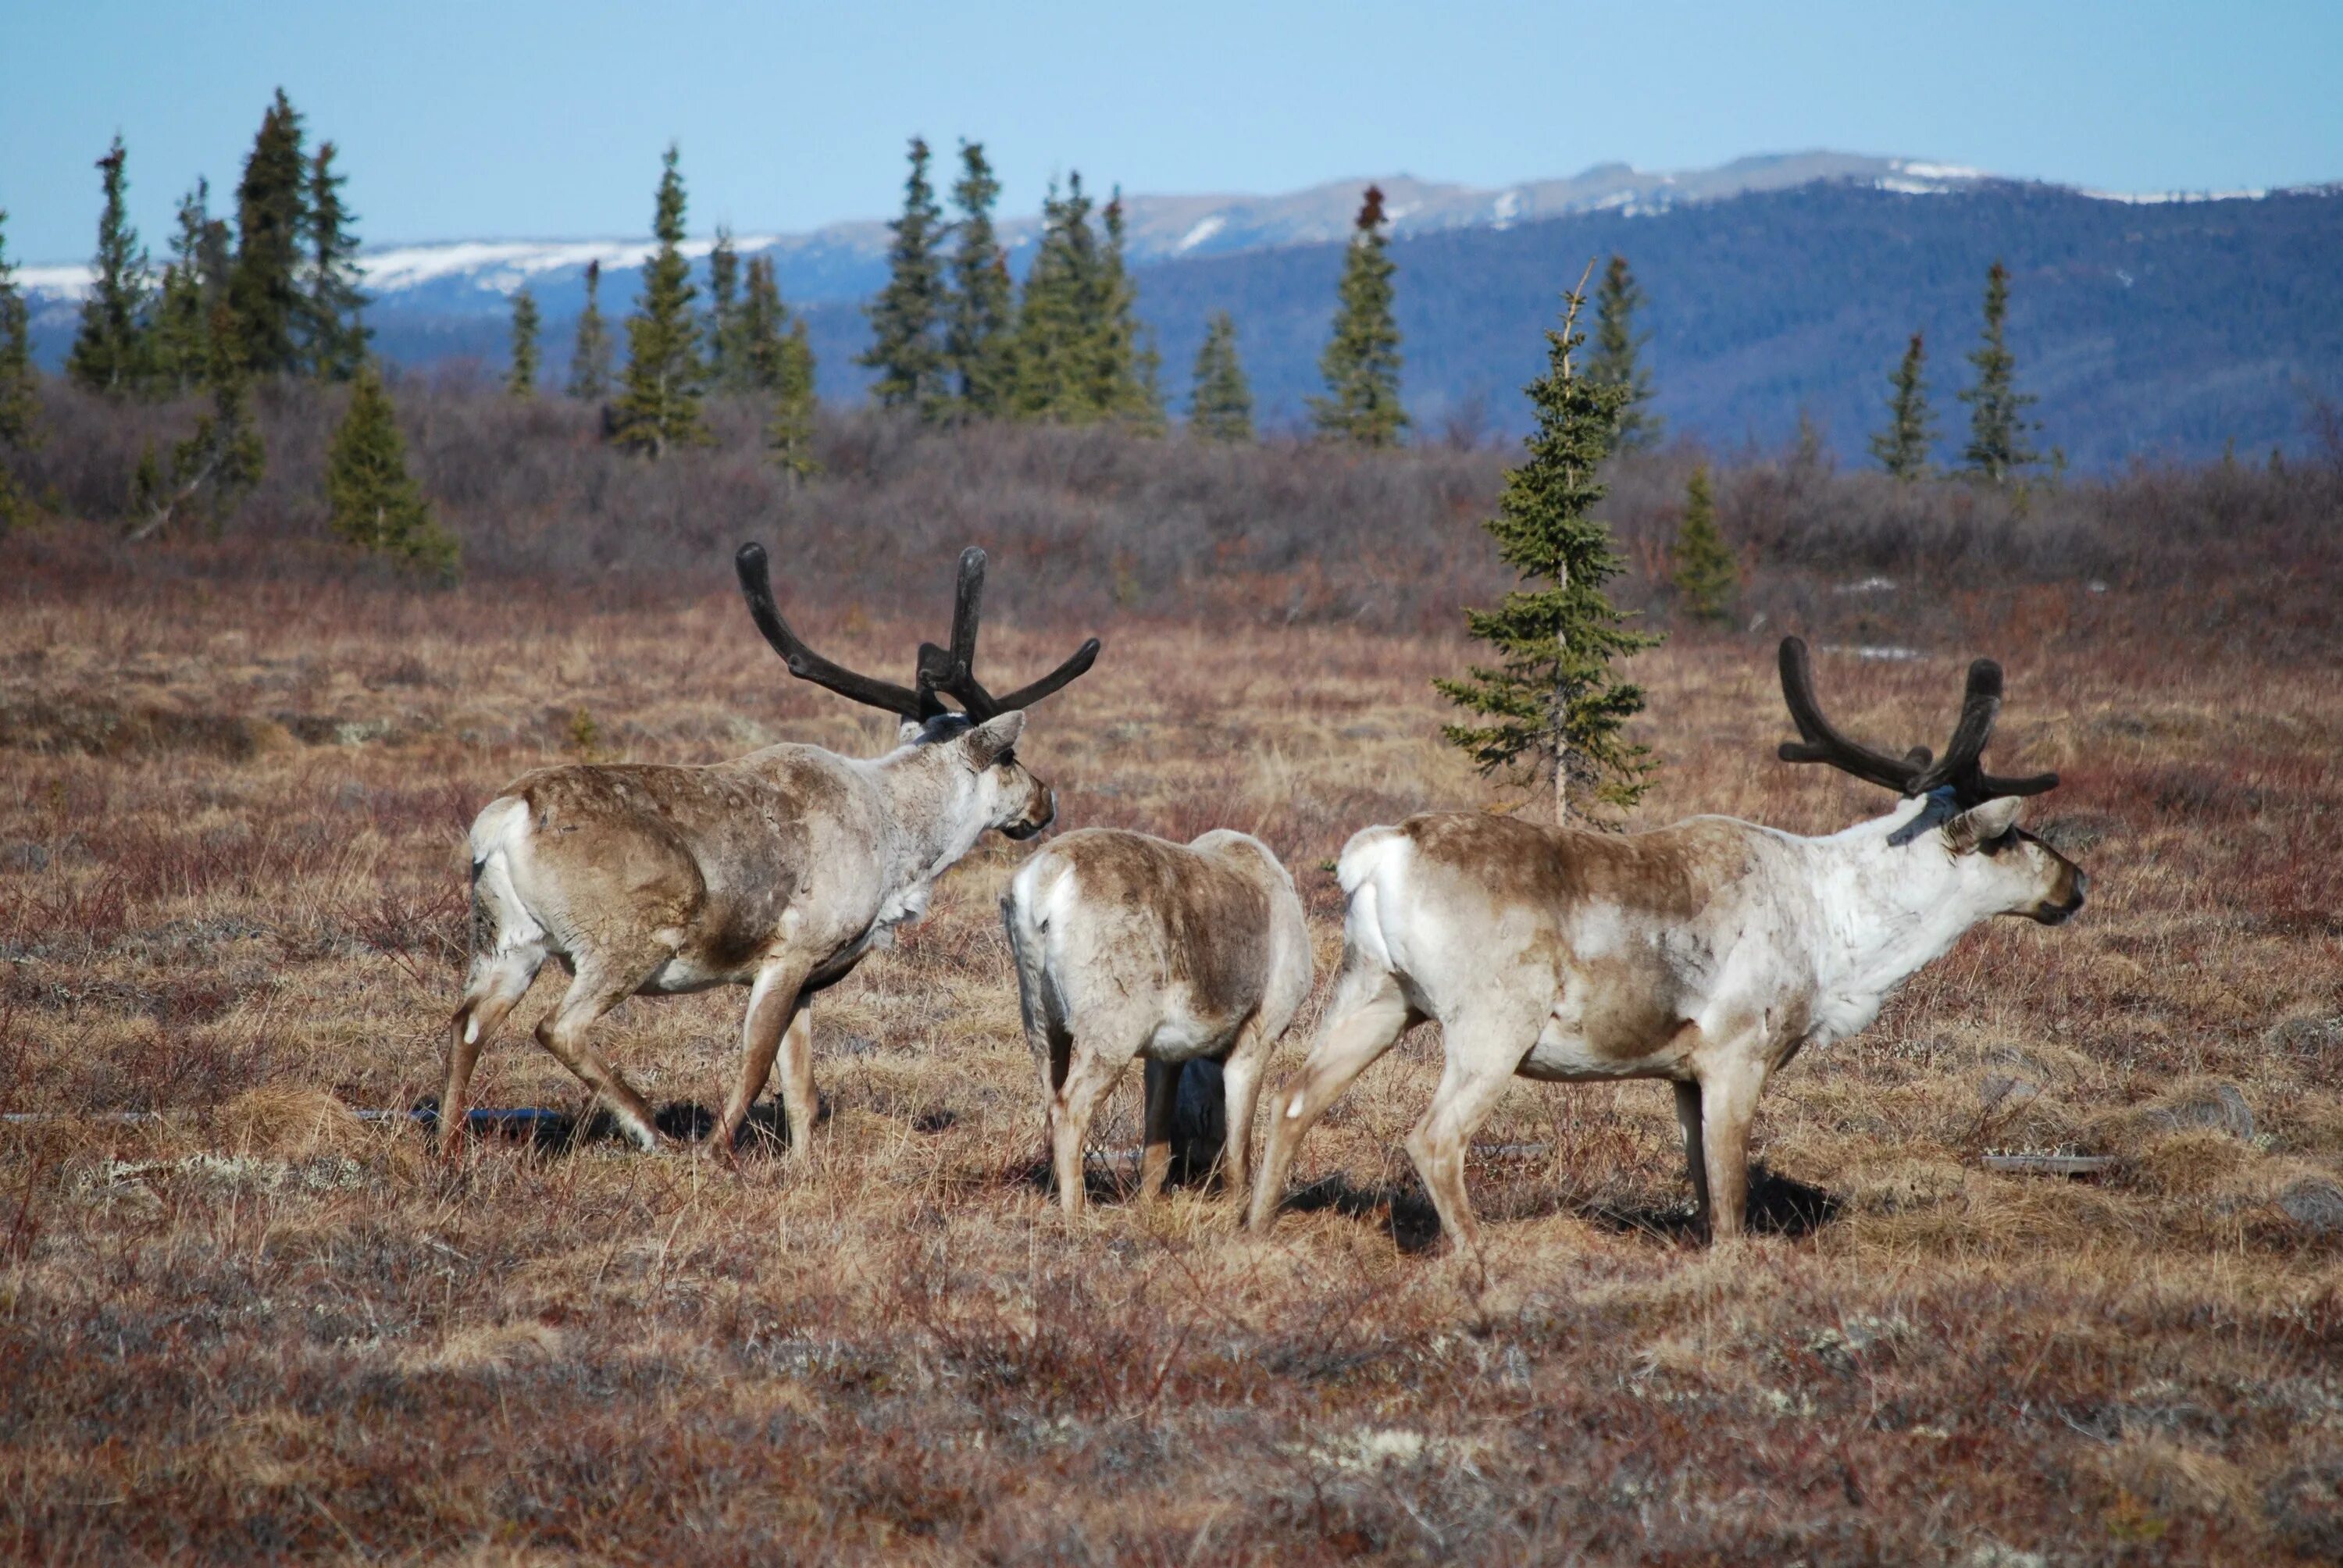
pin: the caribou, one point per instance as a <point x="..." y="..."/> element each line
<point x="780" y="870"/>
<point x="1707" y="953"/>
<point x="1130" y="946"/>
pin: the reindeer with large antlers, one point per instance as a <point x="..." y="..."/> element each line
<point x="779" y="870"/>
<point x="1708" y="953"/>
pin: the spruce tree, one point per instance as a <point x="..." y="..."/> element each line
<point x="1220" y="407"/>
<point x="110" y="353"/>
<point x="590" y="355"/>
<point x="1362" y="361"/>
<point x="726" y="372"/>
<point x="371" y="500"/>
<point x="1553" y="704"/>
<point x="2000" y="435"/>
<point x="1124" y="364"/>
<point x="1618" y="349"/>
<point x="1902" y="448"/>
<point x="1617" y="355"/>
<point x="215" y="466"/>
<point x="183" y="304"/>
<point x="659" y="396"/>
<point x="906" y="317"/>
<point x="762" y="343"/>
<point x="520" y="381"/>
<point x="1701" y="564"/>
<point x="272" y="216"/>
<point x="790" y="437"/>
<point x="978" y="354"/>
<point x="20" y="407"/>
<point x="336" y="336"/>
<point x="1057" y="319"/>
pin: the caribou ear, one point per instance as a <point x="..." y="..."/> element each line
<point x="1981" y="825"/>
<point x="989" y="741"/>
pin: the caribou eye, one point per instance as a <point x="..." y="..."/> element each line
<point x="1007" y="758"/>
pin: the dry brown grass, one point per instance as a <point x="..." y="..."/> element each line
<point x="230" y="891"/>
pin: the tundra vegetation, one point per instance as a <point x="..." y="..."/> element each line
<point x="235" y="775"/>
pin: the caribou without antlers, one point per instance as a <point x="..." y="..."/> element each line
<point x="1708" y="953"/>
<point x="779" y="870"/>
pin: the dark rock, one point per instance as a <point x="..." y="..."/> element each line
<point x="2315" y="1206"/>
<point x="2221" y="1109"/>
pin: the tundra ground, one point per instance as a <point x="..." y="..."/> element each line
<point x="231" y="892"/>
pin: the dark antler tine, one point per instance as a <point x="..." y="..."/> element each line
<point x="1027" y="696"/>
<point x="750" y="565"/>
<point x="1820" y="741"/>
<point x="967" y="605"/>
<point x="1980" y="705"/>
<point x="1989" y="785"/>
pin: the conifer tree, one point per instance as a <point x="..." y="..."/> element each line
<point x="183" y="304"/>
<point x="726" y="372"/>
<point x="906" y="317"/>
<point x="1362" y="361"/>
<point x="215" y="466"/>
<point x="1553" y="704"/>
<point x="659" y="396"/>
<point x="1058" y="320"/>
<point x="1618" y="351"/>
<point x="332" y="318"/>
<point x="590" y="355"/>
<point x="272" y="216"/>
<point x="1701" y="564"/>
<point x="20" y="407"/>
<point x="371" y="500"/>
<point x="1220" y="407"/>
<point x="762" y="344"/>
<point x="2000" y="435"/>
<point x="1902" y="448"/>
<point x="978" y="354"/>
<point x="1124" y="363"/>
<point x="110" y="353"/>
<point x="520" y="381"/>
<point x="790" y="437"/>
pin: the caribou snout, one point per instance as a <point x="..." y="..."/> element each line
<point x="1026" y="826"/>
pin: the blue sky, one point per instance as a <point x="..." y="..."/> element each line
<point x="545" y="120"/>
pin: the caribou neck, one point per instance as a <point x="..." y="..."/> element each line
<point x="932" y="800"/>
<point x="1887" y="909"/>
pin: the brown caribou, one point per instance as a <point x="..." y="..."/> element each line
<point x="1130" y="946"/>
<point x="779" y="871"/>
<point x="1708" y="953"/>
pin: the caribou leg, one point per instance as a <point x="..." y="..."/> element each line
<point x="1728" y="1106"/>
<point x="1162" y="1107"/>
<point x="496" y="989"/>
<point x="595" y="991"/>
<point x="1481" y="1054"/>
<point x="774" y="1009"/>
<point x="799" y="1103"/>
<point x="1091" y="1074"/>
<point x="1695" y="1161"/>
<point x="1364" y="1020"/>
<point x="1240" y="1078"/>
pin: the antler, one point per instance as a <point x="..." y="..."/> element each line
<point x="952" y="670"/>
<point x="947" y="670"/>
<point x="1914" y="773"/>
<point x="757" y="588"/>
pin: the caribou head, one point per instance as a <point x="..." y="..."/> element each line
<point x="983" y="730"/>
<point x="1968" y="814"/>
